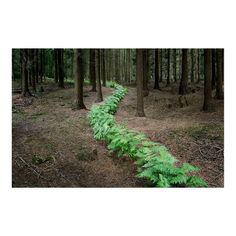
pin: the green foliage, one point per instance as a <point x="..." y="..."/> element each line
<point x="154" y="161"/>
<point x="37" y="160"/>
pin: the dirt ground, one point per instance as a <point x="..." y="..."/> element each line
<point x="190" y="134"/>
<point x="53" y="145"/>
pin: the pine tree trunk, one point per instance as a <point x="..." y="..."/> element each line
<point x="79" y="79"/>
<point x="219" y="84"/>
<point x="37" y="65"/>
<point x="174" y="64"/>
<point x="99" y="86"/>
<point x="33" y="71"/>
<point x="192" y="66"/>
<point x="156" y="85"/>
<point x="103" y="68"/>
<point x="145" y="73"/>
<point x="24" y="71"/>
<point x="139" y="74"/>
<point x="168" y="69"/>
<point x="207" y="106"/>
<point x="184" y="78"/>
<point x="161" y="66"/>
<point x="41" y="65"/>
<point x="196" y="66"/>
<point x="92" y="70"/>
<point x="56" y="65"/>
<point x="61" y="68"/>
<point x="214" y="74"/>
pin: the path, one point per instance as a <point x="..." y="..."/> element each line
<point x="47" y="130"/>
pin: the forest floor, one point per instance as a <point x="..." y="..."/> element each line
<point x="53" y="145"/>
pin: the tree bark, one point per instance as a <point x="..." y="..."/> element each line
<point x="192" y="65"/>
<point x="139" y="74"/>
<point x="168" y="69"/>
<point x="184" y="78"/>
<point x="92" y="70"/>
<point x="161" y="74"/>
<point x="214" y="73"/>
<point x="79" y="79"/>
<point x="207" y="106"/>
<point x="37" y="65"/>
<point x="103" y="68"/>
<point x="33" y="71"/>
<point x="219" y="83"/>
<point x="145" y="73"/>
<point x="61" y="69"/>
<point x="56" y="65"/>
<point x="24" y="71"/>
<point x="157" y="55"/>
<point x="99" y="86"/>
<point x="41" y="65"/>
<point x="174" y="65"/>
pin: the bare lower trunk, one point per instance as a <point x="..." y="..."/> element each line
<point x="139" y="74"/>
<point x="99" y="86"/>
<point x="207" y="106"/>
<point x="79" y="103"/>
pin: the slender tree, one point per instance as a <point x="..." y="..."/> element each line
<point x="161" y="66"/>
<point x="56" y="65"/>
<point x="174" y="65"/>
<point x="61" y="68"/>
<point x="33" y="64"/>
<point x="168" y="69"/>
<point x="157" y="62"/>
<point x="79" y="78"/>
<point x="92" y="70"/>
<point x="184" y="78"/>
<point x="192" y="66"/>
<point x="99" y="86"/>
<point x="103" y="67"/>
<point x="139" y="74"/>
<point x="145" y="73"/>
<point x="41" y="65"/>
<point x="219" y="81"/>
<point x="214" y="72"/>
<point x="207" y="106"/>
<point x="24" y="72"/>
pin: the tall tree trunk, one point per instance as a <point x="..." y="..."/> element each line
<point x="168" y="69"/>
<point x="157" y="55"/>
<point x="92" y="69"/>
<point x="61" y="68"/>
<point x="24" y="71"/>
<point x="192" y="65"/>
<point x="139" y="74"/>
<point x="79" y="79"/>
<point x="196" y="66"/>
<point x="219" y="83"/>
<point x="56" y="65"/>
<point x="199" y="66"/>
<point x="99" y="86"/>
<point x="184" y="78"/>
<point x="37" y="65"/>
<point x="161" y="66"/>
<point x="207" y="106"/>
<point x="174" y="65"/>
<point x="41" y="65"/>
<point x="116" y="65"/>
<point x="145" y="73"/>
<point x="214" y="73"/>
<point x="103" y="68"/>
<point x="33" y="71"/>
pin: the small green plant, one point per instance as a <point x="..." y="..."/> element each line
<point x="37" y="160"/>
<point x="154" y="161"/>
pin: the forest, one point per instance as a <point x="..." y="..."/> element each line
<point x="118" y="117"/>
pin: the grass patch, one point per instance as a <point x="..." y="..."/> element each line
<point x="36" y="115"/>
<point x="37" y="159"/>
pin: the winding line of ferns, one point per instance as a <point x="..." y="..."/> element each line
<point x="153" y="159"/>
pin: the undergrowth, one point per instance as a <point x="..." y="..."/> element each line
<point x="154" y="161"/>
